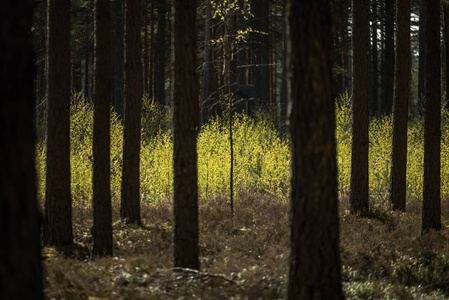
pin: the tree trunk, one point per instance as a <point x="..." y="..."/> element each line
<point x="118" y="75"/>
<point x="358" y="198"/>
<point x="431" y="212"/>
<point x="315" y="270"/>
<point x="160" y="53"/>
<point x="205" y="102"/>
<point x="374" y="60"/>
<point x="260" y="50"/>
<point x="102" y="227"/>
<point x="388" y="68"/>
<point x="400" y="110"/>
<point x="58" y="202"/>
<point x="422" y="54"/>
<point x="20" y="249"/>
<point x="185" y="118"/>
<point x="130" y="190"/>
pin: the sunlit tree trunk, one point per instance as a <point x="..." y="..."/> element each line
<point x="130" y="190"/>
<point x="315" y="271"/>
<point x="185" y="122"/>
<point x="20" y="247"/>
<point x="358" y="199"/>
<point x="431" y="212"/>
<point x="102" y="211"/>
<point x="58" y="200"/>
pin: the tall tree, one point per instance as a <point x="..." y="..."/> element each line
<point x="185" y="119"/>
<point x="20" y="252"/>
<point x="400" y="106"/>
<point x="130" y="189"/>
<point x="58" y="202"/>
<point x="359" y="201"/>
<point x="260" y="54"/>
<point x="388" y="61"/>
<point x="422" y="52"/>
<point x="118" y="77"/>
<point x="102" y="227"/>
<point x="160" y="54"/>
<point x="315" y="271"/>
<point x="205" y="103"/>
<point x="431" y="212"/>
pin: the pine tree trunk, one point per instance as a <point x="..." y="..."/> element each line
<point x="20" y="248"/>
<point x="102" y="211"/>
<point x="58" y="202"/>
<point x="130" y="190"/>
<point x="315" y="270"/>
<point x="400" y="110"/>
<point x="359" y="201"/>
<point x="431" y="212"/>
<point x="185" y="122"/>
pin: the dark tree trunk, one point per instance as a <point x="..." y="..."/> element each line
<point x="118" y="75"/>
<point x="205" y="102"/>
<point x="160" y="53"/>
<point x="102" y="227"/>
<point x="185" y="118"/>
<point x="58" y="202"/>
<point x="375" y="59"/>
<point x="130" y="204"/>
<point x="400" y="110"/>
<point x="422" y="54"/>
<point x="446" y="47"/>
<point x="20" y="249"/>
<point x="315" y="270"/>
<point x="359" y="201"/>
<point x="388" y="68"/>
<point x="431" y="212"/>
<point x="260" y="50"/>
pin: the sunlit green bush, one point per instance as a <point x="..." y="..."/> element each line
<point x="261" y="156"/>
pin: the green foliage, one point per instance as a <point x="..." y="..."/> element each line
<point x="261" y="155"/>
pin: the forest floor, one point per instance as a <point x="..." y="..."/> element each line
<point x="383" y="256"/>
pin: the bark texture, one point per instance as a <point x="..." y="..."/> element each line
<point x="431" y="212"/>
<point x="102" y="227"/>
<point x="315" y="271"/>
<point x="58" y="201"/>
<point x="185" y="119"/>
<point x="400" y="108"/>
<point x="130" y="190"/>
<point x="359" y="202"/>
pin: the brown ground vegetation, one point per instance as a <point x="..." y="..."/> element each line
<point x="383" y="255"/>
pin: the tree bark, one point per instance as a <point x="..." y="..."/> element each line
<point x="431" y="212"/>
<point x="20" y="249"/>
<point x="315" y="271"/>
<point x="388" y="68"/>
<point x="400" y="109"/>
<point x="58" y="203"/>
<point x="130" y="190"/>
<point x="185" y="119"/>
<point x="359" y="201"/>
<point x="160" y="53"/>
<point x="118" y="75"/>
<point x="102" y="210"/>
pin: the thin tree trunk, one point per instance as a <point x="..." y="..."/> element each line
<point x="400" y="110"/>
<point x="58" y="200"/>
<point x="130" y="190"/>
<point x="102" y="210"/>
<point x="185" y="118"/>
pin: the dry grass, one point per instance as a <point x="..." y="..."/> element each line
<point x="384" y="256"/>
